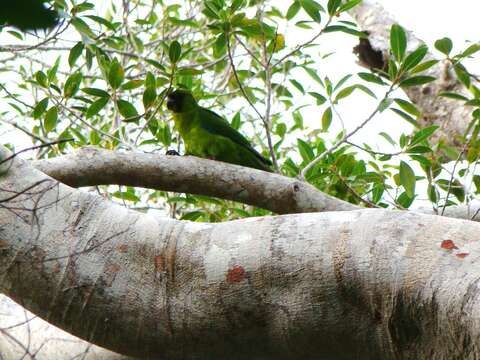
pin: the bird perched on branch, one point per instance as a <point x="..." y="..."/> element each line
<point x="210" y="136"/>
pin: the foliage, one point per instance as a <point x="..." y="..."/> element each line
<point x="110" y="68"/>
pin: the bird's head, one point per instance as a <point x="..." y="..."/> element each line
<point x="180" y="101"/>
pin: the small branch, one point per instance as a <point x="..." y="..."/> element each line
<point x="372" y="152"/>
<point x="452" y="177"/>
<point x="239" y="83"/>
<point x="34" y="148"/>
<point x="265" y="120"/>
<point x="345" y="137"/>
<point x="301" y="46"/>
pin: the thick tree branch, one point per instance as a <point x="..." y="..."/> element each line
<point x="451" y="115"/>
<point x="369" y="284"/>
<point x="282" y="195"/>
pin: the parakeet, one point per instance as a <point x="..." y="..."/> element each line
<point x="210" y="136"/>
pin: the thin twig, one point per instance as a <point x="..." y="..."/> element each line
<point x="301" y="46"/>
<point x="346" y="136"/>
<point x="452" y="178"/>
<point x="34" y="148"/>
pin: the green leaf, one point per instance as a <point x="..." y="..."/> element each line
<point x="312" y="8"/>
<point x="40" y="108"/>
<point x="313" y="74"/>
<point x="72" y="84"/>
<point x="102" y="21"/>
<point x="51" y="118"/>
<point x="344" y="93"/>
<point x="333" y="6"/>
<point x="452" y="95"/>
<point x="456" y="188"/>
<point x="388" y="138"/>
<point x="384" y="105"/>
<point x="423" y="66"/>
<point x="342" y="81"/>
<point x="75" y="53"/>
<point x="189" y="71"/>
<point x="236" y="4"/>
<point x="192" y="216"/>
<point x="472" y="49"/>
<point x="377" y="192"/>
<point x="82" y="27"/>
<point x="414" y="58"/>
<point x="346" y="30"/>
<point x="174" y="52"/>
<point x="293" y="10"/>
<point x="327" y="119"/>
<point x="237" y="122"/>
<point x="41" y="78"/>
<point x="444" y="45"/>
<point x="371" y="78"/>
<point x="462" y="74"/>
<point x="297" y="85"/>
<point x="349" y="5"/>
<point x="476" y="181"/>
<point x="408" y="107"/>
<point x="96" y="106"/>
<point x="150" y="93"/>
<point x="366" y="90"/>
<point x="53" y="71"/>
<point x="407" y="179"/>
<point x="419" y="150"/>
<point x="320" y="98"/>
<point x="132" y="84"/>
<point x="96" y="92"/>
<point x="417" y="80"/>
<point x="127" y="110"/>
<point x="398" y="42"/>
<point x="404" y="200"/>
<point x="423" y="134"/>
<point x="281" y="130"/>
<point x="407" y="117"/>
<point x="116" y="74"/>
<point x="306" y="151"/>
<point x="16" y="34"/>
<point x="125" y="195"/>
<point x="433" y="193"/>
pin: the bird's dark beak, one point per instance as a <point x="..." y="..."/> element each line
<point x="170" y="103"/>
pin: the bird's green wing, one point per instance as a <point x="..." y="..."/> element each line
<point x="216" y="125"/>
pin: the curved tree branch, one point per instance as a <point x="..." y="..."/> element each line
<point x="282" y="195"/>
<point x="374" y="284"/>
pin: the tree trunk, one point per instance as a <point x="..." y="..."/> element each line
<point x="367" y="284"/>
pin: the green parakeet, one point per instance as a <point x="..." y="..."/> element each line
<point x="210" y="136"/>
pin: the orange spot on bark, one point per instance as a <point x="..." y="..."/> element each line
<point x="122" y="248"/>
<point x="114" y="268"/>
<point x="3" y="244"/>
<point x="111" y="274"/>
<point x="448" y="244"/>
<point x="159" y="262"/>
<point x="57" y="268"/>
<point x="462" y="255"/>
<point x="236" y="274"/>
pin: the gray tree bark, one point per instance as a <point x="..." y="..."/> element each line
<point x="373" y="284"/>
